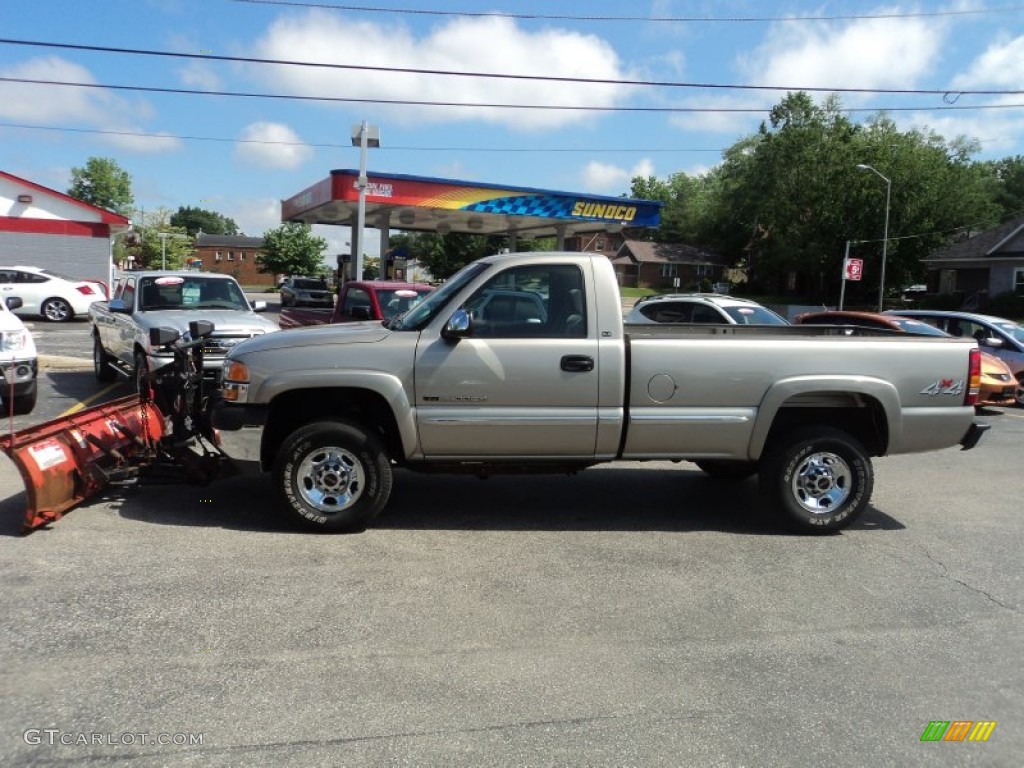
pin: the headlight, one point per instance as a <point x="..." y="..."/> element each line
<point x="14" y="341"/>
<point x="235" y="381"/>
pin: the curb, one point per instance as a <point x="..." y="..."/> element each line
<point x="64" y="363"/>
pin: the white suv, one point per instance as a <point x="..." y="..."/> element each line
<point x="18" y="361"/>
<point x="712" y="308"/>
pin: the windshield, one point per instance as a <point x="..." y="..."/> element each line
<point x="1013" y="330"/>
<point x="417" y="317"/>
<point x="192" y="292"/>
<point x="399" y="300"/>
<point x="754" y="316"/>
<point x="917" y="327"/>
<point x="310" y="285"/>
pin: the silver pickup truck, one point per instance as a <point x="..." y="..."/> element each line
<point x="145" y="300"/>
<point x="546" y="378"/>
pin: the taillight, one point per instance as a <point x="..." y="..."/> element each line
<point x="84" y="289"/>
<point x="973" y="377"/>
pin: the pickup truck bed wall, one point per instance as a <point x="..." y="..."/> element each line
<point x="447" y="390"/>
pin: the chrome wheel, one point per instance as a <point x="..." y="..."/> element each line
<point x="57" y="310"/>
<point x="330" y="479"/>
<point x="822" y="482"/>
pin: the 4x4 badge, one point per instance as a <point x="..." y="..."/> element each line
<point x="945" y="387"/>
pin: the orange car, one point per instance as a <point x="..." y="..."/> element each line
<point x="998" y="385"/>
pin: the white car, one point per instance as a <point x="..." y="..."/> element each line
<point x="54" y="296"/>
<point x="17" y="361"/>
<point x="712" y="308"/>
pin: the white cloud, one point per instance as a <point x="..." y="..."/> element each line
<point x="276" y="146"/>
<point x="81" y="107"/>
<point x="493" y="45"/>
<point x="197" y="74"/>
<point x="1001" y="65"/>
<point x="254" y="216"/>
<point x="867" y="53"/>
<point x="605" y="178"/>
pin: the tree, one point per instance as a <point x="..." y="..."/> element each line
<point x="151" y="251"/>
<point x="104" y="183"/>
<point x="292" y="249"/>
<point x="192" y="220"/>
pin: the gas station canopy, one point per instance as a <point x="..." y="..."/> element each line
<point x="424" y="204"/>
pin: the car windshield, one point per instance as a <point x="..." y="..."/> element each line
<point x="396" y="301"/>
<point x="917" y="327"/>
<point x="754" y="316"/>
<point x="417" y="317"/>
<point x="1012" y="329"/>
<point x="310" y="285"/>
<point x="192" y="292"/>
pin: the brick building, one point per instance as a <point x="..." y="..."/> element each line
<point x="234" y="255"/>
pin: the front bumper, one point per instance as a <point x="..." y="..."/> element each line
<point x="21" y="373"/>
<point x="240" y="433"/>
<point x="973" y="435"/>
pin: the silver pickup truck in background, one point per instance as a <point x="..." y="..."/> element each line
<point x="521" y="363"/>
<point x="145" y="300"/>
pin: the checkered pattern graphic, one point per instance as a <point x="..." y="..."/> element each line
<point x="549" y="206"/>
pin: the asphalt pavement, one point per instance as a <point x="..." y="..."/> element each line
<point x="637" y="614"/>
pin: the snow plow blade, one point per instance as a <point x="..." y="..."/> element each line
<point x="67" y="460"/>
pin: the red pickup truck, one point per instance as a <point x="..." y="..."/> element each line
<point x="359" y="300"/>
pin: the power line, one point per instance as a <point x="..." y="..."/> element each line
<point x="620" y="19"/>
<point x="347" y="145"/>
<point x="507" y="76"/>
<point x="464" y="104"/>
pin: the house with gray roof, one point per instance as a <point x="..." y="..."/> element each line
<point x="641" y="264"/>
<point x="985" y="265"/>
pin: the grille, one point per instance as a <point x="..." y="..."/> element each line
<point x="219" y="345"/>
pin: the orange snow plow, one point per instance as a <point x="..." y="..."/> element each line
<point x="162" y="435"/>
<point x="64" y="461"/>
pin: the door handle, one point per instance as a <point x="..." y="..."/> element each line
<point x="577" y="363"/>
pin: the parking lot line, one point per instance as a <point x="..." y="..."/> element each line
<point x="92" y="398"/>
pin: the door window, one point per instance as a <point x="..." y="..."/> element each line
<point x="531" y="302"/>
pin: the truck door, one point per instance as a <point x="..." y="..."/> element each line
<point x="525" y="382"/>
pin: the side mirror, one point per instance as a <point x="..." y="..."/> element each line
<point x="13" y="302"/>
<point x="199" y="329"/>
<point x="459" y="326"/>
<point x="258" y="306"/>
<point x="992" y="341"/>
<point x="361" y="312"/>
<point x="118" y="305"/>
<point x="161" y="337"/>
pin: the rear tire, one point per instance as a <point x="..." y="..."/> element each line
<point x="101" y="362"/>
<point x="56" y="310"/>
<point x="817" y="479"/>
<point x="727" y="470"/>
<point x="332" y="476"/>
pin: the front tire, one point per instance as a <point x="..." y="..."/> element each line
<point x="1018" y="393"/>
<point x="817" y="479"/>
<point x="141" y="376"/>
<point x="332" y="476"/>
<point x="56" y="310"/>
<point x="101" y="362"/>
<point x="22" y="404"/>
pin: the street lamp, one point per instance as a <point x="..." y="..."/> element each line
<point x="885" y="233"/>
<point x="363" y="136"/>
<point x="163" y="246"/>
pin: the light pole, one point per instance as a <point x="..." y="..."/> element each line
<point x="363" y="136"/>
<point x="163" y="246"/>
<point x="885" y="233"/>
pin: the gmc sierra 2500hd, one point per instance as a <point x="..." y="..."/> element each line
<point x="521" y="363"/>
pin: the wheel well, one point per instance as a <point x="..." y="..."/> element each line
<point x="291" y="410"/>
<point x="858" y="415"/>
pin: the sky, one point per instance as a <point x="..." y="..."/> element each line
<point x="659" y="109"/>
